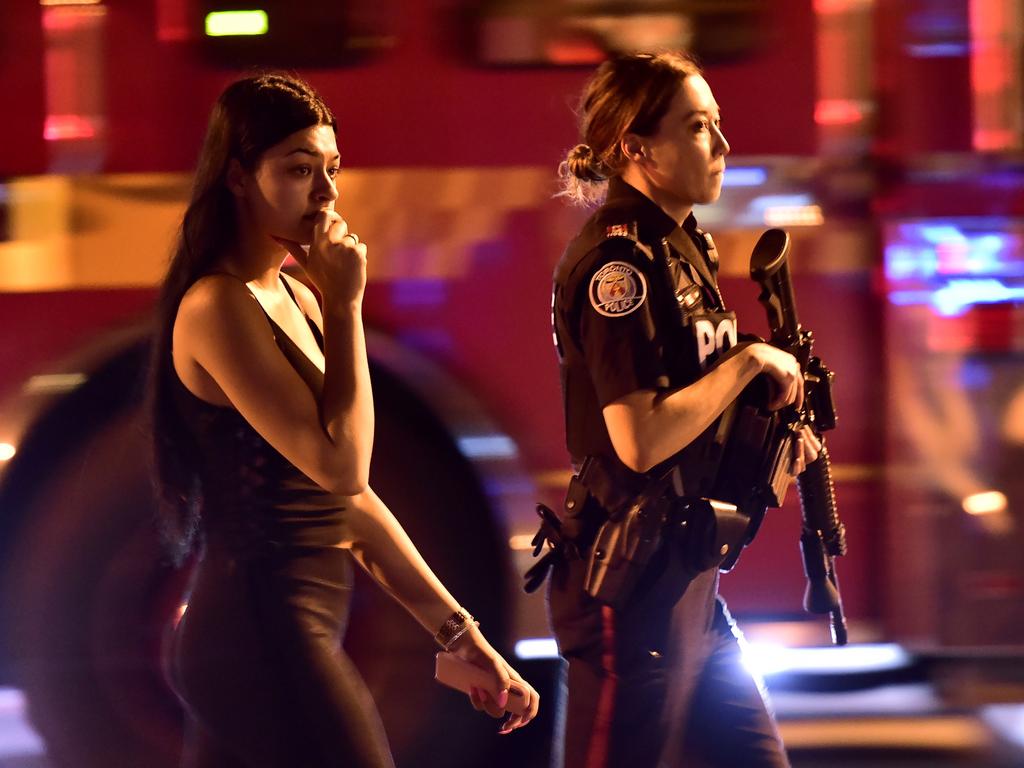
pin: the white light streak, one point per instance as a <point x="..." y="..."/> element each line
<point x="537" y="648"/>
<point x="769" y="659"/>
<point x="985" y="503"/>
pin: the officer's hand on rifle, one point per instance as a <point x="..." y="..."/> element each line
<point x="806" y="447"/>
<point x="784" y="371"/>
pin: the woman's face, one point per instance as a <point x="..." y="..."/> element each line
<point x="294" y="180"/>
<point x="685" y="158"/>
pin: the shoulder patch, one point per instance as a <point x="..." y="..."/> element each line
<point x="617" y="289"/>
<point x="618" y="230"/>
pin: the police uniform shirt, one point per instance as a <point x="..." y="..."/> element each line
<point x="635" y="306"/>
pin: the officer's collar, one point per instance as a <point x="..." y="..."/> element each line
<point x="653" y="223"/>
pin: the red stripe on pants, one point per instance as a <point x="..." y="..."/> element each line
<point x="597" y="754"/>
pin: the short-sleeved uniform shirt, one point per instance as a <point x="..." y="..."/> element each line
<point x="635" y="306"/>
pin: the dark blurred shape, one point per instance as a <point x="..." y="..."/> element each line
<point x="567" y="33"/>
<point x="299" y="34"/>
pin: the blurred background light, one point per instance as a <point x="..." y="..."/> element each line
<point x="794" y="216"/>
<point x="521" y="541"/>
<point x="937" y="50"/>
<point x="69" y="127"/>
<point x="957" y="295"/>
<point x="537" y="648"/>
<point x="840" y="111"/>
<point x="985" y="503"/>
<point x="53" y="383"/>
<point x="7" y="451"/>
<point x="236" y="23"/>
<point x="954" y="265"/>
<point x="488" y="447"/>
<point x="767" y="659"/>
<point x="751" y="176"/>
<point x="826" y="7"/>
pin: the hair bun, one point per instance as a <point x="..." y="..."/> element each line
<point x="583" y="164"/>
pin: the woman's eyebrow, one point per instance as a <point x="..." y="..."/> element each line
<point x="704" y="112"/>
<point x="311" y="152"/>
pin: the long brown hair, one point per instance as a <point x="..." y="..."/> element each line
<point x="627" y="94"/>
<point x="251" y="115"/>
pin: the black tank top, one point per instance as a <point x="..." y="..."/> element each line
<point x="253" y="499"/>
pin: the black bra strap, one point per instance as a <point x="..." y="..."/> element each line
<point x="291" y="293"/>
<point x="317" y="335"/>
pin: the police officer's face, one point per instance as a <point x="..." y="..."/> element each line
<point x="294" y="180"/>
<point x="686" y="157"/>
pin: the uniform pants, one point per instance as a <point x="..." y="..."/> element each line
<point x="658" y="684"/>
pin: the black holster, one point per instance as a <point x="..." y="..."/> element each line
<point x="618" y="541"/>
<point x="623" y="547"/>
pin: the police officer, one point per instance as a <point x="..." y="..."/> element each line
<point x="650" y="358"/>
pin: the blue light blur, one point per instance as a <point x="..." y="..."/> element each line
<point x="953" y="265"/>
<point x="938" y="50"/>
<point x="958" y="295"/>
<point x="763" y="202"/>
<point x="926" y="250"/>
<point x="418" y="292"/>
<point x="974" y="376"/>
<point x="494" y="446"/>
<point x="430" y="341"/>
<point x="751" y="176"/>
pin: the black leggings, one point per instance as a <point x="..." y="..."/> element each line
<point x="659" y="684"/>
<point x="259" y="665"/>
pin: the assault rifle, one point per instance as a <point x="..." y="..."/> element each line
<point x="824" y="536"/>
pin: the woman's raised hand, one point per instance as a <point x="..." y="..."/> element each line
<point x="336" y="261"/>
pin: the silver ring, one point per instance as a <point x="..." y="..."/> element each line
<point x="354" y="236"/>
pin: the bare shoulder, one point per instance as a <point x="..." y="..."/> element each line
<point x="306" y="298"/>
<point x="215" y="296"/>
<point x="218" y="303"/>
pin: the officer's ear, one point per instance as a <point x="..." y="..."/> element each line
<point x="633" y="148"/>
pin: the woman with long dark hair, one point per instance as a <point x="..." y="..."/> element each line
<point x="263" y="427"/>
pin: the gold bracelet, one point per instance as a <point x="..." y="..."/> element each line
<point x="454" y="627"/>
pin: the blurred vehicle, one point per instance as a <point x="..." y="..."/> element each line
<point x="450" y="129"/>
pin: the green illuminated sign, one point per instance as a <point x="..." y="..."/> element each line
<point x="234" y="23"/>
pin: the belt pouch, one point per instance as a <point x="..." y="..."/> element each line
<point x="713" y="533"/>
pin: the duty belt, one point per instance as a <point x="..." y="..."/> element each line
<point x="710" y="532"/>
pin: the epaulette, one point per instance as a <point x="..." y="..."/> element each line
<point x="709" y="248"/>
<point x="625" y="228"/>
<point x="628" y="230"/>
<point x="606" y="228"/>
